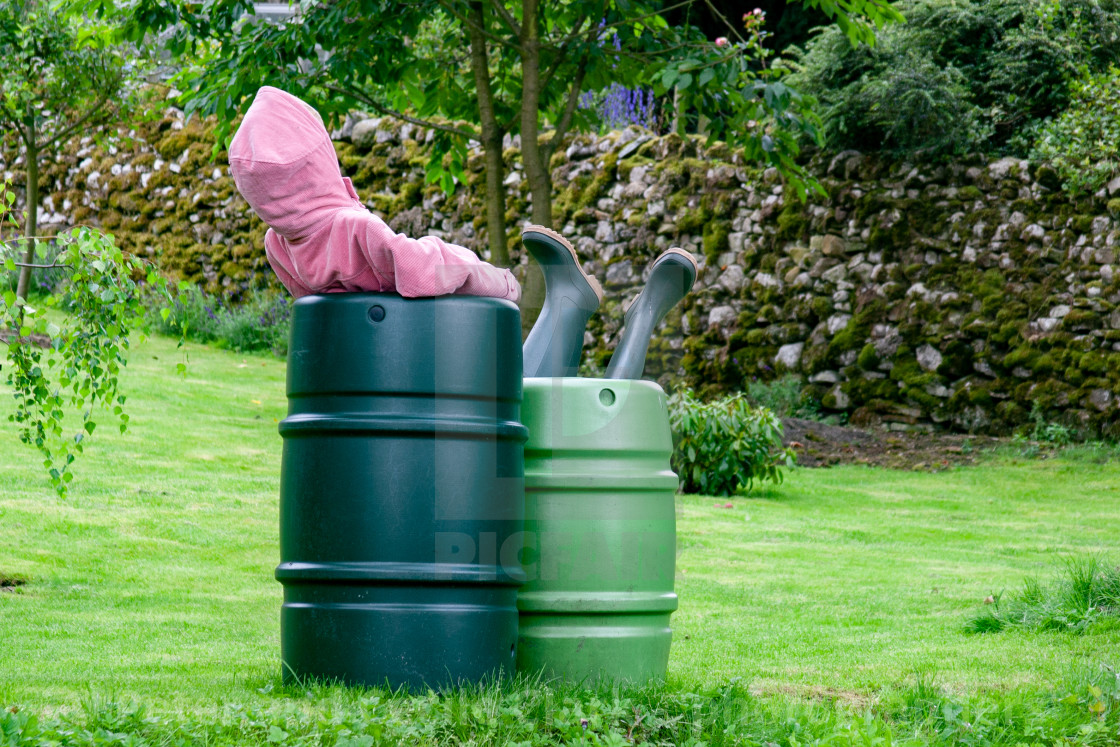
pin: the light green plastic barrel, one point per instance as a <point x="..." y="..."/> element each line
<point x="600" y="530"/>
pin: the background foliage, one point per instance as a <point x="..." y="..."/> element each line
<point x="259" y="323"/>
<point x="1083" y="142"/>
<point x="959" y="75"/>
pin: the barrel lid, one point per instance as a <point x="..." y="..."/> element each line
<point x="464" y="346"/>
<point x="576" y="414"/>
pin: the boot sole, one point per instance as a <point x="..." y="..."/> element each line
<point x="675" y="251"/>
<point x="680" y="253"/>
<point x="592" y="281"/>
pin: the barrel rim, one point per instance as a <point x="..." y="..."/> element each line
<point x="606" y="602"/>
<point x="309" y="422"/>
<point x="356" y="572"/>
<point x="357" y="297"/>
<point x="614" y="483"/>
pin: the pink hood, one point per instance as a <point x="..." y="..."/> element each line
<point x="321" y="238"/>
<point x="284" y="164"/>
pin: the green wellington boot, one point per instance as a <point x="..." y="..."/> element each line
<point x="554" y="344"/>
<point x="670" y="278"/>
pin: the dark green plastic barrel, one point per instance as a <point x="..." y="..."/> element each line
<point x="600" y="528"/>
<point x="401" y="494"/>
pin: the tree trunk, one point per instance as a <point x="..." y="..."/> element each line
<point x="536" y="170"/>
<point x="679" y="122"/>
<point x="31" y="227"/>
<point x="491" y="139"/>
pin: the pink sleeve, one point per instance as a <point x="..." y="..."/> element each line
<point x="432" y="267"/>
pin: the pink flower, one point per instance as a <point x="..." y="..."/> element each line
<point x="722" y="41"/>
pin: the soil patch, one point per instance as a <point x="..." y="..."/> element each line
<point x="823" y="445"/>
<point x="10" y="583"/>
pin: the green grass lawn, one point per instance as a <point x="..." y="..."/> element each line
<point x="843" y="590"/>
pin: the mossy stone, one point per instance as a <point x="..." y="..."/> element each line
<point x="627" y="165"/>
<point x="793" y="223"/>
<point x="868" y="359"/>
<point x="715" y="239"/>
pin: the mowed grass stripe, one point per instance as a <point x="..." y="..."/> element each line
<point x="153" y="580"/>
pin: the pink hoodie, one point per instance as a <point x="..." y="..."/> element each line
<point x="321" y="238"/>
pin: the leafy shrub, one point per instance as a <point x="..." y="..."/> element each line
<point x="259" y="323"/>
<point x="724" y="446"/>
<point x="960" y="75"/>
<point x="785" y="397"/>
<point x="1049" y="432"/>
<point x="192" y="313"/>
<point x="1083" y="143"/>
<point x="1089" y="593"/>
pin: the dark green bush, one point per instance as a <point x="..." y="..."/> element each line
<point x="723" y="447"/>
<point x="959" y="75"/>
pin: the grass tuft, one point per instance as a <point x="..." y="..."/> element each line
<point x="529" y="711"/>
<point x="1088" y="594"/>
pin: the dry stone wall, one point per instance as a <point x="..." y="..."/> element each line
<point x="963" y="295"/>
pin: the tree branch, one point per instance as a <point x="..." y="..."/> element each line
<point x="402" y="116"/>
<point x="467" y="21"/>
<point x="578" y="31"/>
<point x="15" y="124"/>
<point x="651" y="14"/>
<point x="569" y="111"/>
<point x="500" y="9"/>
<point x="561" y="56"/>
<point x="722" y="17"/>
<point x="66" y="133"/>
<point x="562" y="51"/>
